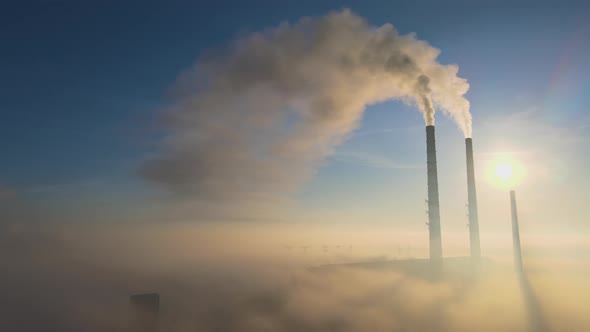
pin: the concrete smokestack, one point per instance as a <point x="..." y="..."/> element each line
<point x="472" y="201"/>
<point x="515" y="233"/>
<point x="433" y="204"/>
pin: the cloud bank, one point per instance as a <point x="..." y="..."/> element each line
<point x="214" y="278"/>
<point x="256" y="118"/>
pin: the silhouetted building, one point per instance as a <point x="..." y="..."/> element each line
<point x="145" y="311"/>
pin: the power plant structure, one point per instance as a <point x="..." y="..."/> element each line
<point x="433" y="202"/>
<point x="434" y="226"/>
<point x="472" y="202"/>
<point x="435" y="267"/>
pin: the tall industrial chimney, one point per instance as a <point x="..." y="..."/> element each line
<point x="515" y="233"/>
<point x="433" y="204"/>
<point x="472" y="201"/>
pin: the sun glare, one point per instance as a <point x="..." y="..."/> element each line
<point x="504" y="171"/>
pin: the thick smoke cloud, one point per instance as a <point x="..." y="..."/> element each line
<point x="67" y="278"/>
<point x="256" y="118"/>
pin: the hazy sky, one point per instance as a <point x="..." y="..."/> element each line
<point x="83" y="81"/>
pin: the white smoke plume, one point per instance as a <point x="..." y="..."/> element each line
<point x="255" y="119"/>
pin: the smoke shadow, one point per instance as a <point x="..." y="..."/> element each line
<point x="537" y="321"/>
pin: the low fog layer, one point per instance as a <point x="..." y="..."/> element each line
<point x="235" y="278"/>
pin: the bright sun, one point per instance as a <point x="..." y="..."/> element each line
<point x="503" y="171"/>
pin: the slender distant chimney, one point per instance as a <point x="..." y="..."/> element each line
<point x="515" y="233"/>
<point x="472" y="200"/>
<point x="433" y="204"/>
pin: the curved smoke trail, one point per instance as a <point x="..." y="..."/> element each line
<point x="254" y="119"/>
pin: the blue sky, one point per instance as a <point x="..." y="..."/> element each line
<point x="83" y="80"/>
